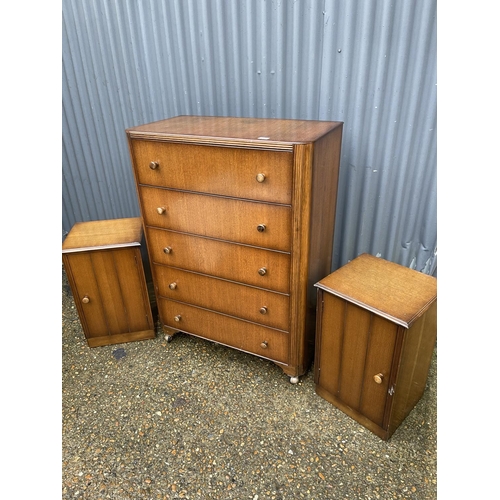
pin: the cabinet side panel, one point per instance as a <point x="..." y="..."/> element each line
<point x="133" y="289"/>
<point x="416" y="358"/>
<point x="81" y="275"/>
<point x="106" y="273"/>
<point x="378" y="361"/>
<point x="331" y="336"/>
<point x="354" y="349"/>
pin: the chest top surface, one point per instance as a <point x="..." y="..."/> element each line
<point x="385" y="288"/>
<point x="259" y="130"/>
<point x="95" y="235"/>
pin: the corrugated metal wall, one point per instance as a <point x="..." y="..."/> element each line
<point x="369" y="64"/>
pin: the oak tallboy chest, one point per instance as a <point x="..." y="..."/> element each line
<point x="239" y="219"/>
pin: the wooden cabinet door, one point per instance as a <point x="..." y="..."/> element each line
<point x="357" y="349"/>
<point x="109" y="291"/>
<point x="86" y="293"/>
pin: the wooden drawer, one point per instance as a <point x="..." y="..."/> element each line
<point x="217" y="170"/>
<point x="259" y="224"/>
<point x="218" y="258"/>
<point x="253" y="304"/>
<point x="248" y="337"/>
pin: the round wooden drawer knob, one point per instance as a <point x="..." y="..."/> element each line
<point x="378" y="378"/>
<point x="261" y="228"/>
<point x="172" y="286"/>
<point x="263" y="310"/>
<point x="261" y="177"/>
<point x="161" y="210"/>
<point x="86" y="299"/>
<point x="264" y="344"/>
<point x="177" y="318"/>
<point x="262" y="271"/>
<point x="154" y="165"/>
<point x="167" y="250"/>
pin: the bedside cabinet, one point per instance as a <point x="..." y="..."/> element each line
<point x="239" y="216"/>
<point x="102" y="260"/>
<point x="375" y="335"/>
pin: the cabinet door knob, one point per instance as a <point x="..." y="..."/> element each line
<point x="86" y="299"/>
<point x="177" y="318"/>
<point x="172" y="286"/>
<point x="167" y="249"/>
<point x="378" y="378"/>
<point x="263" y="344"/>
<point x="154" y="165"/>
<point x="261" y="177"/>
<point x="262" y="271"/>
<point x="261" y="228"/>
<point x="263" y="310"/>
<point x="161" y="210"/>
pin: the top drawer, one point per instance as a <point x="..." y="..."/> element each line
<point x="243" y="173"/>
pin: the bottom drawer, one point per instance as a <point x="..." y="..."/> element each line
<point x="248" y="337"/>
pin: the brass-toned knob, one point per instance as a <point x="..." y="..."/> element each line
<point x="154" y="165"/>
<point x="262" y="271"/>
<point x="378" y="378"/>
<point x="177" y="318"/>
<point x="261" y="177"/>
<point x="86" y="299"/>
<point x="167" y="249"/>
<point x="261" y="228"/>
<point x="263" y="344"/>
<point x="263" y="310"/>
<point x="161" y="210"/>
<point x="172" y="286"/>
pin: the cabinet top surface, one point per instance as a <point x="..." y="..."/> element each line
<point x="259" y="130"/>
<point x="95" y="235"/>
<point x="385" y="288"/>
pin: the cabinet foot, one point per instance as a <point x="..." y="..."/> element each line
<point x="169" y="333"/>
<point x="294" y="380"/>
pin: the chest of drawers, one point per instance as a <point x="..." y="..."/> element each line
<point x="239" y="219"/>
<point x="375" y="338"/>
<point x="103" y="263"/>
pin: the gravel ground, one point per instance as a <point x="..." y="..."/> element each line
<point x="192" y="419"/>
